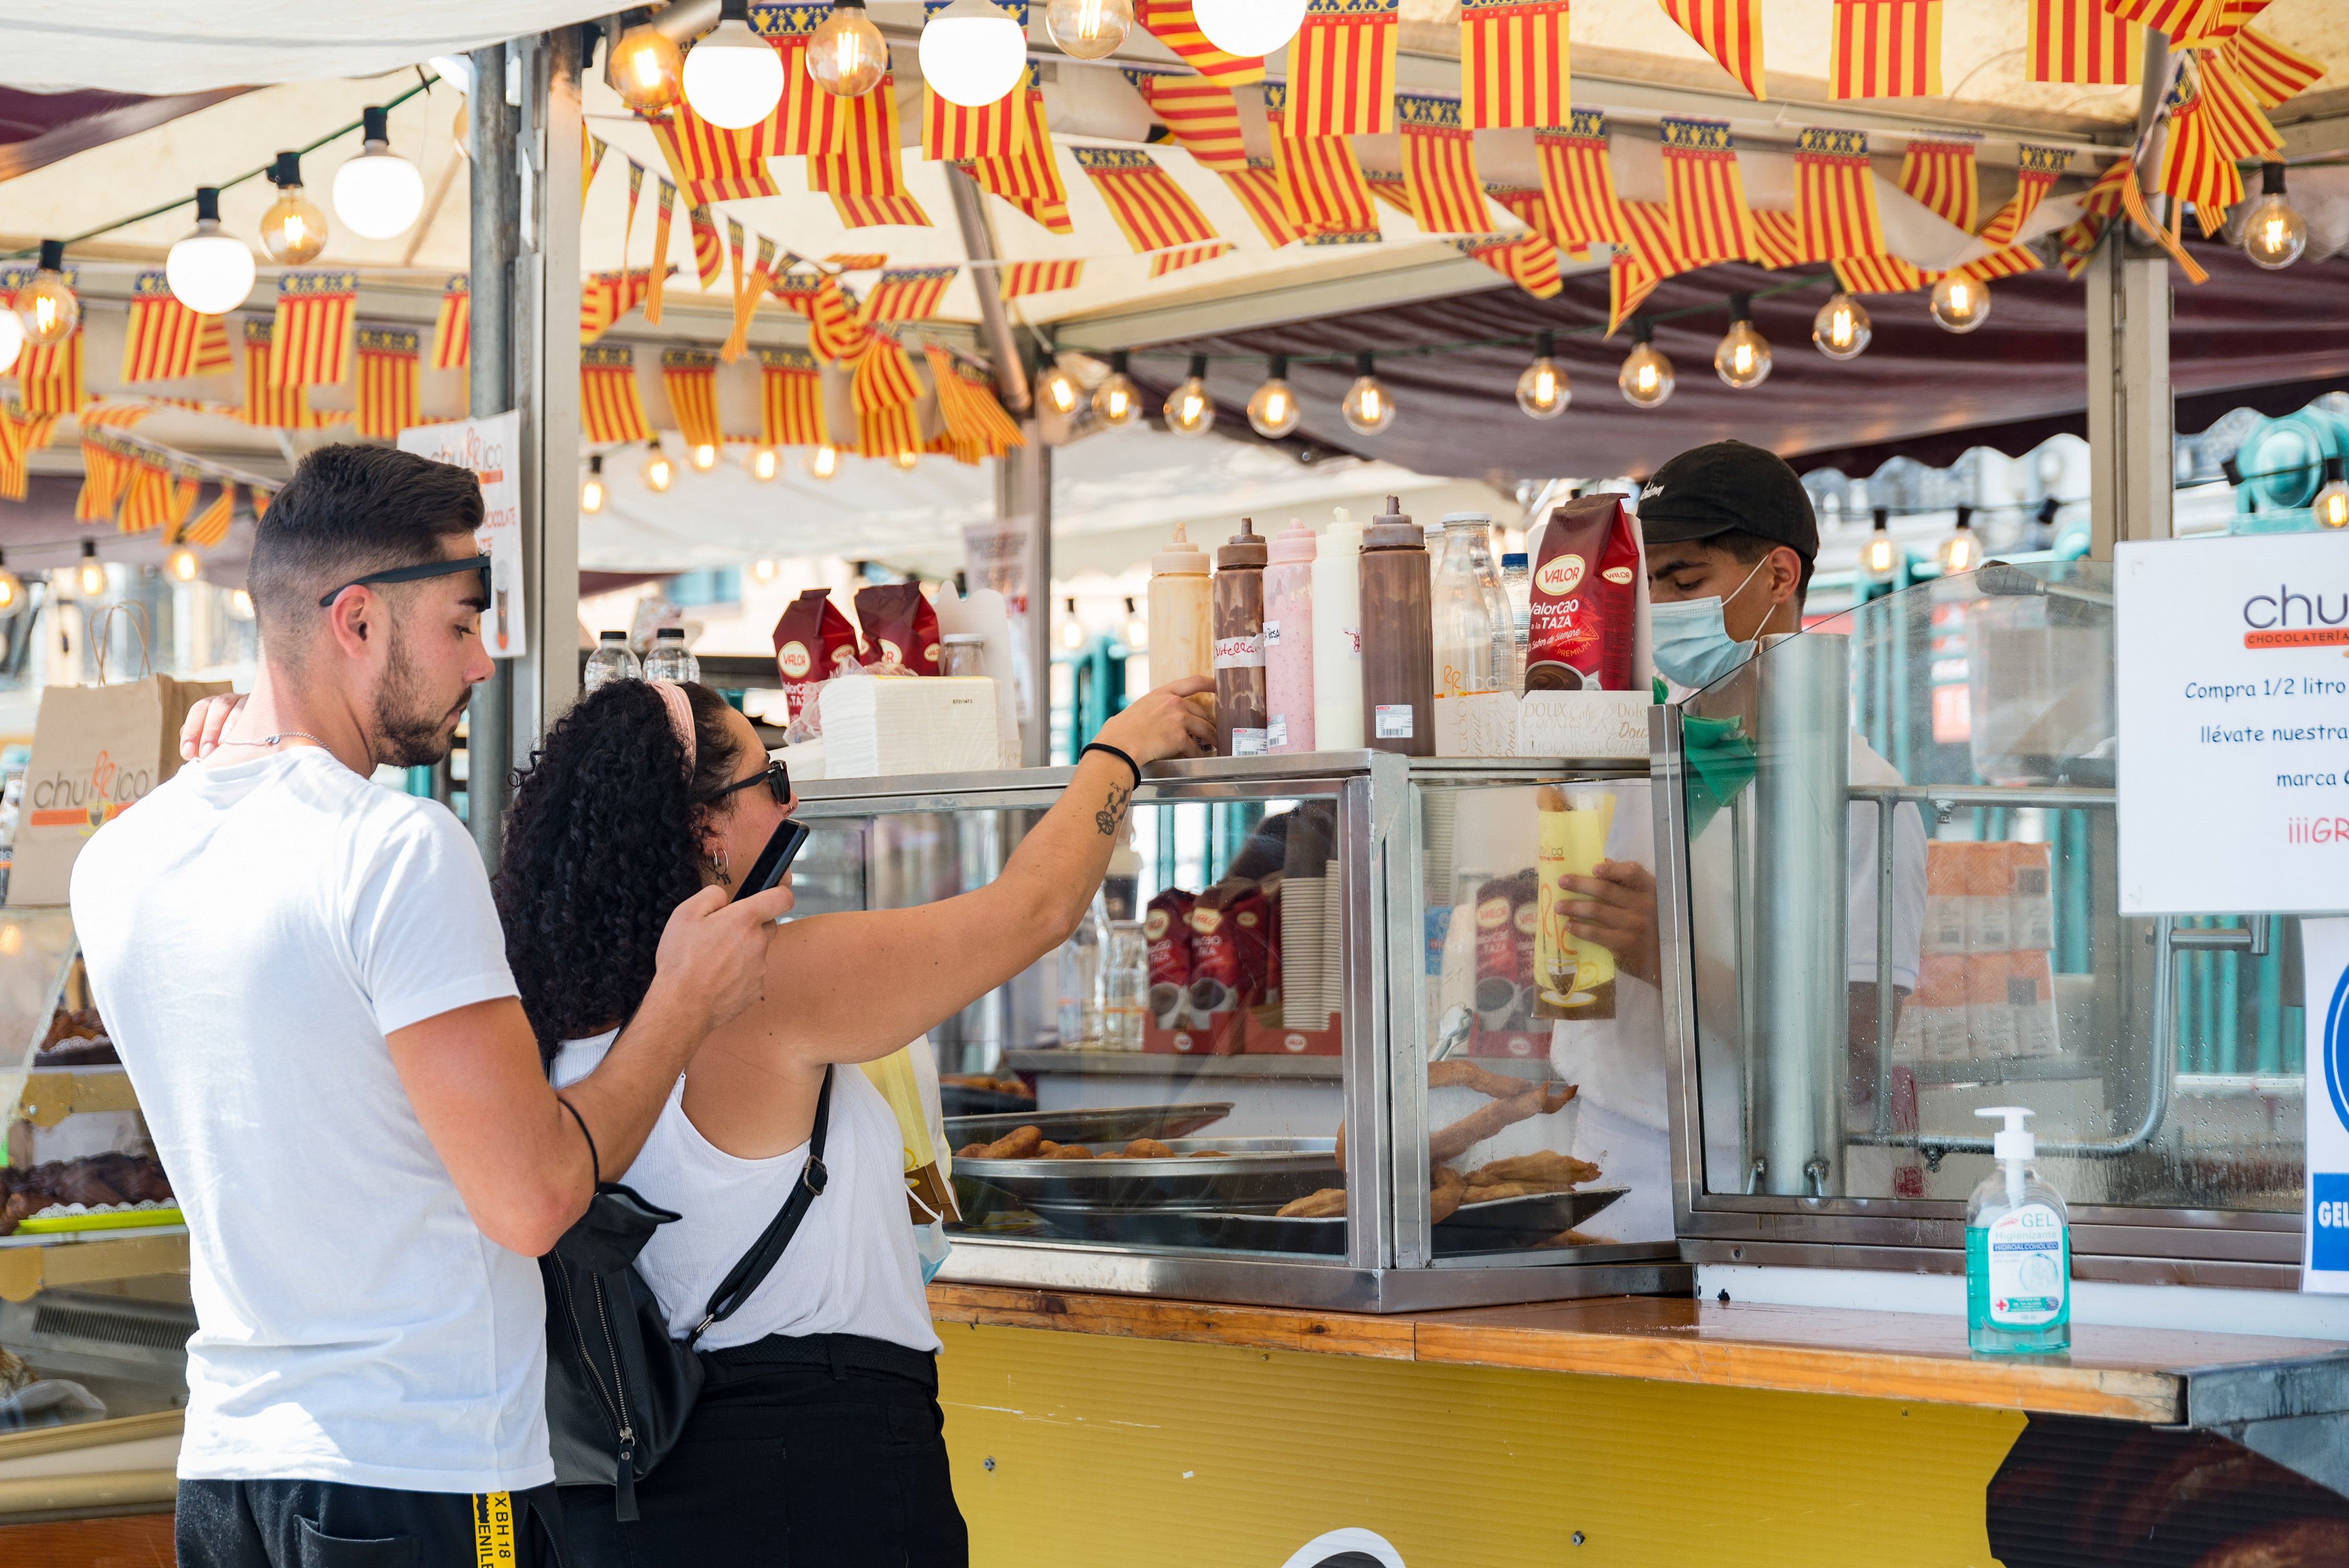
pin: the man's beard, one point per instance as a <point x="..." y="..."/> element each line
<point x="409" y="731"/>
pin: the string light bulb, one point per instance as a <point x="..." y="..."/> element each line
<point x="1542" y="390"/>
<point x="591" y="488"/>
<point x="1742" y="358"/>
<point x="703" y="456"/>
<point x="293" y="231"/>
<point x="1059" y="387"/>
<point x="646" y="69"/>
<point x="973" y="53"/>
<point x="46" y="309"/>
<point x="1841" y="329"/>
<point x="1248" y="28"/>
<point x="906" y="459"/>
<point x="1089" y="29"/>
<point x="1880" y="555"/>
<point x="240" y="604"/>
<point x="1189" y="410"/>
<point x="209" y="270"/>
<point x="822" y="463"/>
<point x="658" y="473"/>
<point x="1959" y="304"/>
<point x="12" y="340"/>
<point x="1961" y="551"/>
<point x="1117" y="401"/>
<point x="1646" y="378"/>
<point x="1369" y="407"/>
<point x="91" y="575"/>
<point x="764" y="464"/>
<point x="2275" y="235"/>
<point x="733" y="78"/>
<point x="846" y="55"/>
<point x="1272" y="411"/>
<point x="764" y="571"/>
<point x="12" y="591"/>
<point x="1072" y="631"/>
<point x="1137" y="629"/>
<point x="378" y="193"/>
<point x="183" y="565"/>
<point x="2329" y="506"/>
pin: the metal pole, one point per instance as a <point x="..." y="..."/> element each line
<point x="1023" y="488"/>
<point x="496" y="218"/>
<point x="979" y="244"/>
<point x="546" y="336"/>
<point x="2130" y="417"/>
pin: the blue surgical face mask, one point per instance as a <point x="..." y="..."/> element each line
<point x="1689" y="639"/>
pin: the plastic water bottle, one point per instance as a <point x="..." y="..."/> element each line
<point x="611" y="661"/>
<point x="669" y="660"/>
<point x="1518" y="587"/>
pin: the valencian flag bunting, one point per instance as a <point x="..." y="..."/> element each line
<point x="1341" y="70"/>
<point x="1182" y="256"/>
<point x="1151" y="210"/>
<point x="1258" y="190"/>
<point x="866" y="163"/>
<point x="388" y="398"/>
<point x="1343" y="237"/>
<point x="157" y="495"/>
<point x="1777" y="239"/>
<point x="1030" y="178"/>
<point x="664" y="212"/>
<point x="49" y="376"/>
<point x="452" y="327"/>
<point x="2193" y="167"/>
<point x="1390" y="187"/>
<point x="629" y="227"/>
<point x="791" y="399"/>
<point x="1017" y="280"/>
<point x="591" y="148"/>
<point x="1513" y="63"/>
<point x="312" y="341"/>
<point x="1835" y="196"/>
<point x="857" y="261"/>
<point x="2271" y="71"/>
<point x="1322" y="187"/>
<point x="711" y="163"/>
<point x="808" y="121"/>
<point x="209" y="528"/>
<point x="1707" y="192"/>
<point x="951" y="132"/>
<point x="2236" y="124"/>
<point x="2036" y="170"/>
<point x="1578" y="181"/>
<point x="1202" y="116"/>
<point x="899" y="211"/>
<point x="1170" y="22"/>
<point x="885" y="377"/>
<point x="106" y="464"/>
<point x="1728" y="30"/>
<point x="2080" y="42"/>
<point x="748" y="291"/>
<point x="689" y="377"/>
<point x="975" y="421"/>
<point x="20" y="433"/>
<point x="606" y="297"/>
<point x="611" y="408"/>
<point x="887" y="431"/>
<point x="2178" y="19"/>
<point x="1530" y="206"/>
<point x="1528" y="261"/>
<point x="1886" y="48"/>
<point x="1940" y="176"/>
<point x="1439" y="167"/>
<point x="268" y="404"/>
<point x="112" y="416"/>
<point x="835" y="334"/>
<point x="709" y="252"/>
<point x="909" y="293"/>
<point x="1649" y="254"/>
<point x="166" y="341"/>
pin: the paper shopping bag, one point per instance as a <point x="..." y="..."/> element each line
<point x="908" y="1081"/>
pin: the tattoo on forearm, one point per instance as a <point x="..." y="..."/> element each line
<point x="1112" y="812"/>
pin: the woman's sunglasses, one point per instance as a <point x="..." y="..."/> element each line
<point x="776" y="777"/>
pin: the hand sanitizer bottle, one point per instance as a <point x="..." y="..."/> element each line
<point x="2018" y="1252"/>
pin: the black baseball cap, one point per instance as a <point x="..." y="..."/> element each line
<point x="1725" y="487"/>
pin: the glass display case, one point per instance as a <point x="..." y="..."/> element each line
<point x="1890" y="900"/>
<point x="1326" y="1038"/>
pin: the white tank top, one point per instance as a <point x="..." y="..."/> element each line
<point x="850" y="1270"/>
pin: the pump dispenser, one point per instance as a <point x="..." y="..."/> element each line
<point x="1337" y="636"/>
<point x="1181" y="640"/>
<point x="2018" y="1252"/>
<point x="1397" y="636"/>
<point x="1239" y="629"/>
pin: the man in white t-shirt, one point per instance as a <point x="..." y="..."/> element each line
<point x="307" y="979"/>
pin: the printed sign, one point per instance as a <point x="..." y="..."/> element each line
<point x="2324" y="1261"/>
<point x="2233" y="659"/>
<point x="491" y="448"/>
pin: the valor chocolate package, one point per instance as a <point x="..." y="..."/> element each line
<point x="813" y="642"/>
<point x="1585" y="595"/>
<point x="899" y="627"/>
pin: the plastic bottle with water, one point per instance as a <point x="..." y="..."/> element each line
<point x="611" y="661"/>
<point x="669" y="659"/>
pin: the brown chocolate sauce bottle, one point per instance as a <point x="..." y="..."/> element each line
<point x="1397" y="636"/>
<point x="1238" y="612"/>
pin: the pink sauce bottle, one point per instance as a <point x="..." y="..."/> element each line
<point x="1289" y="640"/>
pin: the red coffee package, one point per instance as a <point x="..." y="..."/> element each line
<point x="1252" y="933"/>
<point x="1584" y="593"/>
<point x="1166" y="926"/>
<point x="1219" y="974"/>
<point x="813" y="642"/>
<point x="899" y="627"/>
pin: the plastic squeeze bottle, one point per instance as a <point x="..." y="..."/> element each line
<point x="1180" y="640"/>
<point x="1239" y="644"/>
<point x="1337" y="636"/>
<point x="1288" y="640"/>
<point x="2018" y="1252"/>
<point x="1397" y="636"/>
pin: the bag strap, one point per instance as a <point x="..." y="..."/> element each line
<point x="135" y="616"/>
<point x="756" y="1264"/>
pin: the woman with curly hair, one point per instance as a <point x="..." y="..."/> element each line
<point x="816" y="1438"/>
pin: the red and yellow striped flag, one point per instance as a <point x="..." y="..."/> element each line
<point x="1530" y="206"/>
<point x="270" y="403"/>
<point x="388" y="398"/>
<point x="857" y="261"/>
<point x="1528" y="261"/>
<point x="711" y="163"/>
<point x="1390" y="187"/>
<point x="606" y="298"/>
<point x="1578" y="182"/>
<point x="2271" y="71"/>
<point x="1728" y="30"/>
<point x="154" y="495"/>
<point x="1835" y="196"/>
<point x="209" y="528"/>
<point x="689" y="377"/>
<point x="791" y="399"/>
<point x="886" y="432"/>
<point x="1322" y="187"/>
<point x="1777" y="239"/>
<point x="1513" y="56"/>
<point x="1017" y="280"/>
<point x="1258" y="190"/>
<point x="611" y="408"/>
<point x="1170" y="22"/>
<point x="909" y="293"/>
<point x="748" y="292"/>
<point x="709" y="253"/>
<point x="975" y="421"/>
<point x="1439" y="167"/>
<point x="20" y="434"/>
<point x="1151" y="210"/>
<point x="1342" y="68"/>
<point x="2232" y="115"/>
<point x="636" y="192"/>
<point x="112" y="416"/>
<point x="951" y="132"/>
<point x="49" y="376"/>
<point x="1629" y="281"/>
<point x="2036" y="170"/>
<point x="1878" y="275"/>
<point x="312" y="338"/>
<point x="106" y="468"/>
<point x="1886" y="48"/>
<point x="1201" y="114"/>
<point x="808" y="119"/>
<point x="1030" y="179"/>
<point x="900" y="210"/>
<point x="664" y="211"/>
<point x="591" y="148"/>
<point x="453" y="326"/>
<point x="1940" y="175"/>
<point x="885" y="377"/>
<point x="1707" y="192"/>
<point x="1648" y="253"/>
<point x="866" y="163"/>
<point x="166" y="341"/>
<point x="2195" y="167"/>
<point x="835" y="333"/>
<point x="1182" y="256"/>
<point x="2080" y="41"/>
<point x="2179" y="19"/>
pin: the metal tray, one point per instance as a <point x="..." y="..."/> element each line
<point x="1506" y="1224"/>
<point x="1246" y="1172"/>
<point x="1117" y="1125"/>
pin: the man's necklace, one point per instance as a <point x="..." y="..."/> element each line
<point x="273" y="740"/>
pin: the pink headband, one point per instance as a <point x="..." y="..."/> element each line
<point x="680" y="718"/>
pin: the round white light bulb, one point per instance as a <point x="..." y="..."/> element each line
<point x="210" y="272"/>
<point x="973" y="53"/>
<point x="733" y="77"/>
<point x="1248" y="28"/>
<point x="378" y="193"/>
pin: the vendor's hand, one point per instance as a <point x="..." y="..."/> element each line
<point x="200" y="733"/>
<point x="1159" y="724"/>
<point x="1617" y="911"/>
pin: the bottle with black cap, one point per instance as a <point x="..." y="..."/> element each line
<point x="1397" y="636"/>
<point x="1238" y="630"/>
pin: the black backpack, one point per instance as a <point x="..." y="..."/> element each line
<point x="618" y="1387"/>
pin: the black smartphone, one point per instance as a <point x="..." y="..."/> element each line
<point x="774" y="859"/>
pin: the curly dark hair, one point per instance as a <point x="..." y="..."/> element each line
<point x="601" y="847"/>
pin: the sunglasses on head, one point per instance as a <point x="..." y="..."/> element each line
<point x="479" y="563"/>
<point x="776" y="777"/>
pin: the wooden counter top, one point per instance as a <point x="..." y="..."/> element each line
<point x="2127" y="1374"/>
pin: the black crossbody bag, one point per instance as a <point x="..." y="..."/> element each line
<point x="618" y="1387"/>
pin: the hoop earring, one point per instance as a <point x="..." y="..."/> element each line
<point x="721" y="869"/>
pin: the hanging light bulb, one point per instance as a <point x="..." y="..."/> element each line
<point x="1072" y="631"/>
<point x="90" y="576"/>
<point x="733" y="77"/>
<point x="1841" y="329"/>
<point x="1880" y="555"/>
<point x="1742" y="359"/>
<point x="12" y="340"/>
<point x="1542" y="391"/>
<point x="2329" y="506"/>
<point x="703" y="456"/>
<point x="292" y="230"/>
<point x="12" y="591"/>
<point x="1273" y="410"/>
<point x="2274" y="234"/>
<point x="973" y="53"/>
<point x="47" y="309"/>
<point x="658" y="473"/>
<point x="1646" y="378"/>
<point x="1117" y="400"/>
<point x="822" y="463"/>
<point x="1089" y="29"/>
<point x="847" y="54"/>
<point x="1059" y="387"/>
<point x="1248" y="28"/>
<point x="765" y="463"/>
<point x="1959" y="304"/>
<point x="378" y="193"/>
<point x="1137" y="628"/>
<point x="1961" y="551"/>
<point x="1369" y="407"/>
<point x="209" y="271"/>
<point x="1189" y="410"/>
<point x="764" y="571"/>
<point x="240" y="604"/>
<point x="646" y="69"/>
<point x="591" y="488"/>
<point x="906" y="459"/>
<point x="183" y="565"/>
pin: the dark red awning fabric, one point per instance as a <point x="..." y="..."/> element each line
<point x="2268" y="340"/>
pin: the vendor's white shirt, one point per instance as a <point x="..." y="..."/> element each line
<point x="253" y="932"/>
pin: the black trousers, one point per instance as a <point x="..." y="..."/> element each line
<point x="326" y="1524"/>
<point x="789" y="1467"/>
